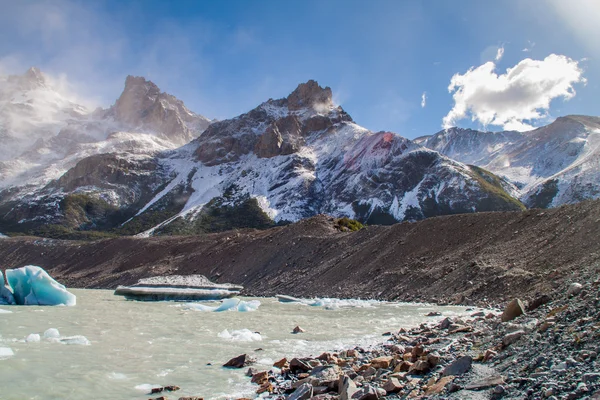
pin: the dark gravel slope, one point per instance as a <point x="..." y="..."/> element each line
<point x="472" y="257"/>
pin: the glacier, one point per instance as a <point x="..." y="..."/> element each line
<point x="31" y="285"/>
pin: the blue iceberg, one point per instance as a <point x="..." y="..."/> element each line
<point x="32" y="285"/>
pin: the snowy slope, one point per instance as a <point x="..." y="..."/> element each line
<point x="320" y="161"/>
<point x="44" y="133"/>
<point x="552" y="165"/>
<point x="295" y="157"/>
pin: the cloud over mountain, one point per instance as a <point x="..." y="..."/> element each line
<point x="513" y="99"/>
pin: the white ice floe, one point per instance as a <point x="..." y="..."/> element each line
<point x="329" y="303"/>
<point x="226" y="305"/>
<point x="5" y="311"/>
<point x="117" y="376"/>
<point x="32" y="285"/>
<point x="240" y="335"/>
<point x="146" y="387"/>
<point x="32" y="338"/>
<point x="52" y="333"/>
<point x="77" y="339"/>
<point x="6" y="352"/>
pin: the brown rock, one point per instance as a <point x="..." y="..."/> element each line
<point x="404" y="366"/>
<point x="393" y="385"/>
<point x="260" y="377"/>
<point x="420" y="367"/>
<point x="438" y="387"/>
<point x="489" y="354"/>
<point x="417" y="351"/>
<point x="352" y="353"/>
<point x="170" y="388"/>
<point x="382" y="362"/>
<point x="485" y="383"/>
<point x="297" y="329"/>
<point x="512" y="337"/>
<point x="433" y="358"/>
<point x="538" y="302"/>
<point x="513" y="310"/>
<point x="281" y="363"/>
<point x="265" y="387"/>
<point x="297" y="365"/>
<point x="240" y="361"/>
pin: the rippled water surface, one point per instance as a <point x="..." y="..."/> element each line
<point x="134" y="345"/>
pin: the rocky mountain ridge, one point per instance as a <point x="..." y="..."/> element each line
<point x="148" y="165"/>
<point x="552" y="165"/>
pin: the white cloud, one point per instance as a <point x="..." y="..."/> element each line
<point x="423" y="99"/>
<point x="499" y="53"/>
<point x="511" y="99"/>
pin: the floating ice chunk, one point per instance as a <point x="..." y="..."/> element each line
<point x="226" y="305"/>
<point x="6" y="296"/>
<point x="5" y="311"/>
<point x="77" y="339"/>
<point x="32" y="338"/>
<point x="117" y="376"/>
<point x="6" y="352"/>
<point x="251" y="305"/>
<point x="52" y="333"/>
<point x="199" y="307"/>
<point x="32" y="285"/>
<point x="146" y="387"/>
<point x="241" y="335"/>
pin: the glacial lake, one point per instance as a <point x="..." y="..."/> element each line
<point x="136" y="345"/>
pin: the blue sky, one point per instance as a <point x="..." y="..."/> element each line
<point x="223" y="58"/>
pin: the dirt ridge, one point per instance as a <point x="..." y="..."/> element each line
<point x="469" y="258"/>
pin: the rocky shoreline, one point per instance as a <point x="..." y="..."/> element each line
<point x="547" y="350"/>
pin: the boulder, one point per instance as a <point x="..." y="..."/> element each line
<point x="297" y="365"/>
<point x="281" y="363"/>
<point x="347" y="388"/>
<point x="382" y="362"/>
<point x="512" y="337"/>
<point x="297" y="329"/>
<point x="260" y="377"/>
<point x="326" y="374"/>
<point x="439" y="386"/>
<point x="392" y="385"/>
<point x="458" y="366"/>
<point x="368" y="392"/>
<point x="513" y="310"/>
<point x="538" y="302"/>
<point x="419" y="367"/>
<point x="574" y="289"/>
<point x="303" y="392"/>
<point x="240" y="361"/>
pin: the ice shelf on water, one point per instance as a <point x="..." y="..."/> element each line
<point x="31" y="285"/>
<point x="226" y="305"/>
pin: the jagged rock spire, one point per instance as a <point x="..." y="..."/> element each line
<point x="309" y="94"/>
